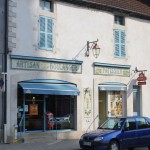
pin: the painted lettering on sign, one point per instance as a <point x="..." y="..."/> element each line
<point x="47" y="66"/>
<point x="27" y="64"/>
<point x="99" y="70"/>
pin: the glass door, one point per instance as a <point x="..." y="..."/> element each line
<point x="136" y="101"/>
<point x="34" y="114"/>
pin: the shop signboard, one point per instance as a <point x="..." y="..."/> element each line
<point x="104" y="70"/>
<point x="46" y="66"/>
<point x="142" y="79"/>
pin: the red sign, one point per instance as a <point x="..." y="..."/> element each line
<point x="142" y="83"/>
<point x="142" y="79"/>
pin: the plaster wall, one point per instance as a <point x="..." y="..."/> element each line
<point x="74" y="26"/>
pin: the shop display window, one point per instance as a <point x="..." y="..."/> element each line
<point x="115" y="103"/>
<point x="37" y="110"/>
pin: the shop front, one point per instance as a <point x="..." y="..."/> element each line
<point x="45" y="105"/>
<point x="112" y="100"/>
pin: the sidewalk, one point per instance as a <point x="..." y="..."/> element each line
<point x="47" y="145"/>
<point x="44" y="145"/>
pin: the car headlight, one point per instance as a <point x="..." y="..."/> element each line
<point x="98" y="139"/>
<point x="81" y="138"/>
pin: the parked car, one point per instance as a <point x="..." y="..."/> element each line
<point x="118" y="133"/>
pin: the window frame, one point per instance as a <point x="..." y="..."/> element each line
<point x="119" y="20"/>
<point x="51" y="8"/>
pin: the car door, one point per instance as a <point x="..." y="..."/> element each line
<point x="143" y="131"/>
<point x="129" y="134"/>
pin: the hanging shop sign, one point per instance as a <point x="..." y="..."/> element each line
<point x="142" y="79"/>
<point x="46" y="65"/>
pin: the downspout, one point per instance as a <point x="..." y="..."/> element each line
<point x="5" y="70"/>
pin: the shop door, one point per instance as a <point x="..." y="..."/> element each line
<point x="136" y="101"/>
<point x="34" y="117"/>
<point x="102" y="106"/>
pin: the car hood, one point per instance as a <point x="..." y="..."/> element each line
<point x="99" y="132"/>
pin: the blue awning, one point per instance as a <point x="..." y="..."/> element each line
<point x="50" y="89"/>
<point x="112" y="86"/>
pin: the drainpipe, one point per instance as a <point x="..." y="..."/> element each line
<point x="5" y="71"/>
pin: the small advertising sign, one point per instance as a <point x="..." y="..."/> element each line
<point x="33" y="109"/>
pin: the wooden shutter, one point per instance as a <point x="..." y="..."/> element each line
<point x="49" y="33"/>
<point x="122" y="42"/>
<point x="119" y="43"/>
<point x="42" y="38"/>
<point x="45" y="33"/>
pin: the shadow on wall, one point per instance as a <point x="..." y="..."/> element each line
<point x="130" y="87"/>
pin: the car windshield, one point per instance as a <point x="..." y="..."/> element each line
<point x="113" y="124"/>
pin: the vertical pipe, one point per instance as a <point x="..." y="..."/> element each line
<point x="44" y="111"/>
<point x="24" y="112"/>
<point x="4" y="69"/>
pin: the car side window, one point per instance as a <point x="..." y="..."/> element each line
<point x="142" y="123"/>
<point x="130" y="124"/>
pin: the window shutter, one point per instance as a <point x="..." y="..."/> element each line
<point x="119" y="39"/>
<point x="123" y="52"/>
<point x="42" y="37"/>
<point x="49" y="33"/>
<point x="117" y="43"/>
<point x="46" y="33"/>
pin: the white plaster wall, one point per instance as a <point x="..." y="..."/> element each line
<point x="74" y="26"/>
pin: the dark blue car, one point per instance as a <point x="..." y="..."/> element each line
<point x="118" y="133"/>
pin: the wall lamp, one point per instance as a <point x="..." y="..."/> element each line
<point x="94" y="47"/>
<point x="90" y="46"/>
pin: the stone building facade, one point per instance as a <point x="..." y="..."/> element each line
<point x="47" y="70"/>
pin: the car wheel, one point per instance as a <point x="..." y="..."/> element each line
<point x="113" y="145"/>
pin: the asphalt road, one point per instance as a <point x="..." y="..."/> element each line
<point x="47" y="145"/>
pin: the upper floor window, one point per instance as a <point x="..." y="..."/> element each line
<point x="120" y="20"/>
<point x="47" y="5"/>
<point x="119" y="43"/>
<point x="46" y="33"/>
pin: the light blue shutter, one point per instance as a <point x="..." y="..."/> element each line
<point x="123" y="49"/>
<point x="119" y="38"/>
<point x="49" y="33"/>
<point x="117" y="43"/>
<point x="46" y="33"/>
<point x="42" y="37"/>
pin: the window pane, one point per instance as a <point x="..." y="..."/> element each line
<point x="130" y="124"/>
<point x="47" y="6"/>
<point x="120" y="20"/>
